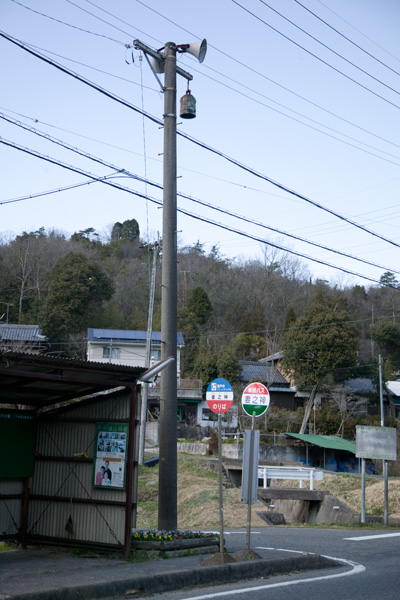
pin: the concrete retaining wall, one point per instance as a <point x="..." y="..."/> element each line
<point x="327" y="511"/>
<point x="193" y="448"/>
<point x="270" y="453"/>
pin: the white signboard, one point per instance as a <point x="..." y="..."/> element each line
<point x="376" y="442"/>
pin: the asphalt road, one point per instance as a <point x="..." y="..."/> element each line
<point x="369" y="566"/>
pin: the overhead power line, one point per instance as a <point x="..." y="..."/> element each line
<point x="347" y="38"/>
<point x="68" y="24"/>
<point x="146" y="181"/>
<point x="315" y="55"/>
<point x="329" y="48"/>
<point x="194" y="140"/>
<point x="248" y="67"/>
<point x="105" y="180"/>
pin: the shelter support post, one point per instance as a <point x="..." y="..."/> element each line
<point x="129" y="472"/>
<point x="25" y="510"/>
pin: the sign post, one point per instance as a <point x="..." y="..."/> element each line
<point x="379" y="443"/>
<point x="219" y="398"/>
<point x="255" y="401"/>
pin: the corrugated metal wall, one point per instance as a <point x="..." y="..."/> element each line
<point x="10" y="509"/>
<point x="62" y="484"/>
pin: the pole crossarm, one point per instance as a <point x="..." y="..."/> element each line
<point x="157" y="55"/>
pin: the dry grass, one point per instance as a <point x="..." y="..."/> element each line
<point x="198" y="496"/>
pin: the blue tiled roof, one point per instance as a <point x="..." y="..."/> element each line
<point x="21" y="333"/>
<point x="264" y="373"/>
<point x="361" y="385"/>
<point x="126" y="335"/>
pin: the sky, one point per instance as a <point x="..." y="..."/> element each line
<point x="297" y="115"/>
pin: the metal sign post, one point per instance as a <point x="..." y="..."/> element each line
<point x="379" y="443"/>
<point x="250" y="484"/>
<point x="219" y="398"/>
<point x="221" y="507"/>
<point x="255" y="401"/>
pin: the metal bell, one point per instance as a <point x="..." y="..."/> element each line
<point x="188" y="106"/>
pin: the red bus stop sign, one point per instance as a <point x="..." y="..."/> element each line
<point x="255" y="399"/>
<point x="219" y="395"/>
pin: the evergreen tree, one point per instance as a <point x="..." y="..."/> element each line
<point x="200" y="306"/>
<point x="77" y="290"/>
<point x="321" y="341"/>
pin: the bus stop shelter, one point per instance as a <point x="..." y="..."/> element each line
<point x="60" y="421"/>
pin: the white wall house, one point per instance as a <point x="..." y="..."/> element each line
<point x="207" y="418"/>
<point x="126" y="347"/>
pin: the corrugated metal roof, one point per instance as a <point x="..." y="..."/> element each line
<point x="126" y="335"/>
<point x="38" y="380"/>
<point x="21" y="333"/>
<point x="393" y="387"/>
<point x="265" y="373"/>
<point x="326" y="441"/>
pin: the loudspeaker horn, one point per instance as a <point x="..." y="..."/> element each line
<point x="157" y="65"/>
<point x="198" y="49"/>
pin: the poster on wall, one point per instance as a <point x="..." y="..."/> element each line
<point x="109" y="461"/>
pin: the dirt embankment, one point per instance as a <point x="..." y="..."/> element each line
<point x="198" y="496"/>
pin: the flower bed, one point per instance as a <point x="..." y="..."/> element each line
<point x="179" y="540"/>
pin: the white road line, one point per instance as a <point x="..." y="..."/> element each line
<point x="356" y="569"/>
<point x="284" y="550"/>
<point x="234" y="532"/>
<point x="362" y="538"/>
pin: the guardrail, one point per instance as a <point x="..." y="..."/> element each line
<point x="299" y="473"/>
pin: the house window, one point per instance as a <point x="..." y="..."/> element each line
<point x="111" y="352"/>
<point x="208" y="415"/>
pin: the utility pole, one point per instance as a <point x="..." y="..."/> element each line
<point x="8" y="304"/>
<point x="145" y="386"/>
<point x="168" y="469"/>
<point x="384" y="462"/>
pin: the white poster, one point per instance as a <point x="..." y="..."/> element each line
<point x="109" y="462"/>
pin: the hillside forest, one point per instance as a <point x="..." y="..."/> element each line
<point x="228" y="309"/>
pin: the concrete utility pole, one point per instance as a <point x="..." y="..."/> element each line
<point x="168" y="485"/>
<point x="145" y="388"/>
<point x="168" y="469"/>
<point x="384" y="462"/>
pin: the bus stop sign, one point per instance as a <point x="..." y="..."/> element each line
<point x="255" y="399"/>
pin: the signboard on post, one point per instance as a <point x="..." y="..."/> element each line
<point x="376" y="442"/>
<point x="219" y="396"/>
<point x="255" y="399"/>
<point x="250" y="478"/>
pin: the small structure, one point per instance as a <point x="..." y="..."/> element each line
<point x="62" y="420"/>
<point x="189" y="398"/>
<point x="281" y="393"/>
<point x="22" y="338"/>
<point x="328" y="452"/>
<point x="392" y="390"/>
<point x="127" y="347"/>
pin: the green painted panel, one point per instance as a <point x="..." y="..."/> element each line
<point x="18" y="440"/>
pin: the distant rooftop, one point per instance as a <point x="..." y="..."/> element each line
<point x="361" y="385"/>
<point x="21" y="333"/>
<point x="252" y="369"/>
<point x="127" y="336"/>
<point x="393" y="387"/>
<point x="272" y="357"/>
